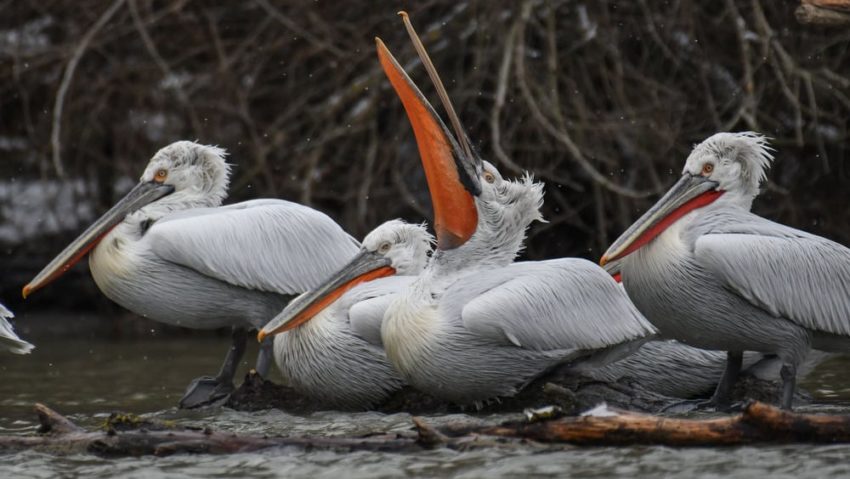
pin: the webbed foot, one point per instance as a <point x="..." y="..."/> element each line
<point x="206" y="391"/>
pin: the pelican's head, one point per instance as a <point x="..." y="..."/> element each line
<point x="185" y="173"/>
<point x="469" y="195"/>
<point x="197" y="170"/>
<point x="737" y="162"/>
<point x="727" y="165"/>
<point x="395" y="247"/>
<point x="405" y="245"/>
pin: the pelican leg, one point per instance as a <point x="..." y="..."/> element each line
<point x="207" y="390"/>
<point x="722" y="397"/>
<point x="788" y="373"/>
<point x="264" y="357"/>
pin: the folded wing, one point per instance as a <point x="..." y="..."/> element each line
<point x="548" y="305"/>
<point x="800" y="277"/>
<point x="268" y="245"/>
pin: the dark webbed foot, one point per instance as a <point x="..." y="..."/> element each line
<point x="206" y="391"/>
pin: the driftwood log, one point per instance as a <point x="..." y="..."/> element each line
<point x="824" y="12"/>
<point x="758" y="423"/>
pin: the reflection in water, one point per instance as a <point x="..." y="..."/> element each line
<point x="88" y="379"/>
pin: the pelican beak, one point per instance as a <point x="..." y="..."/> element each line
<point x="142" y="194"/>
<point x="689" y="193"/>
<point x="452" y="174"/>
<point x="364" y="267"/>
<point x="613" y="268"/>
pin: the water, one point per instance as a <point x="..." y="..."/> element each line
<point x="88" y="379"/>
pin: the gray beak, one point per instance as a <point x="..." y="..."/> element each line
<point x="142" y="194"/>
<point x="689" y="193"/>
<point x="366" y="266"/>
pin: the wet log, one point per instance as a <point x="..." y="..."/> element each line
<point x="758" y="423"/>
<point x="828" y="13"/>
<point x="839" y="5"/>
<point x="123" y="437"/>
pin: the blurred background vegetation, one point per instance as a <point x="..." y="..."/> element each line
<point x="601" y="100"/>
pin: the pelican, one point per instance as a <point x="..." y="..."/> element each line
<point x="328" y="343"/>
<point x="708" y="272"/>
<point x="474" y="325"/>
<point x="10" y="341"/>
<point x="170" y="252"/>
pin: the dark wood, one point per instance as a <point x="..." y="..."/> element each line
<point x="125" y="435"/>
<point x="840" y="5"/>
<point x="757" y="423"/>
<point x="826" y="13"/>
<point x="131" y="436"/>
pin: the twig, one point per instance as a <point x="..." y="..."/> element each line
<point x="66" y="83"/>
<point x="293" y="25"/>
<point x="163" y="66"/>
<point x="559" y="135"/>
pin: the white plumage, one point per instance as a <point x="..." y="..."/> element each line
<point x="10" y="341"/>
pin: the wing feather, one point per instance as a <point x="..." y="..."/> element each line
<point x="558" y="304"/>
<point x="800" y="277"/>
<point x="268" y="245"/>
<point x="8" y="339"/>
<point x="366" y="314"/>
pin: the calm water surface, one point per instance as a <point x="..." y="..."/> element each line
<point x="88" y="379"/>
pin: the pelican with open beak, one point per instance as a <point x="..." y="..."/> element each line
<point x="475" y="325"/>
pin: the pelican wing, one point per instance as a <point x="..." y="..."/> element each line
<point x="267" y="245"/>
<point x="548" y="305"/>
<point x="370" y="301"/>
<point x="8" y="339"/>
<point x="788" y="273"/>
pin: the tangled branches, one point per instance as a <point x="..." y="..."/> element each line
<point x="601" y="100"/>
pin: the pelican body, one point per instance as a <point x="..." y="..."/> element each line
<point x="170" y="252"/>
<point x="708" y="272"/>
<point x="328" y="344"/>
<point x="10" y="341"/>
<point x="474" y="325"/>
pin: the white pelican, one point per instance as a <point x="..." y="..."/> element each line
<point x="328" y="343"/>
<point x="474" y="325"/>
<point x="708" y="272"/>
<point x="169" y="252"/>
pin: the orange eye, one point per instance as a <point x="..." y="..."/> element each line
<point x="160" y="176"/>
<point x="707" y="168"/>
<point x="489" y="177"/>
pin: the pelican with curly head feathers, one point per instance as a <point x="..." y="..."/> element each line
<point x="328" y="343"/>
<point x="708" y="272"/>
<point x="475" y="325"/>
<point x="170" y="252"/>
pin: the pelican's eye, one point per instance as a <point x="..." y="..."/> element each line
<point x="489" y="177"/>
<point x="384" y="248"/>
<point x="160" y="175"/>
<point x="707" y="169"/>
